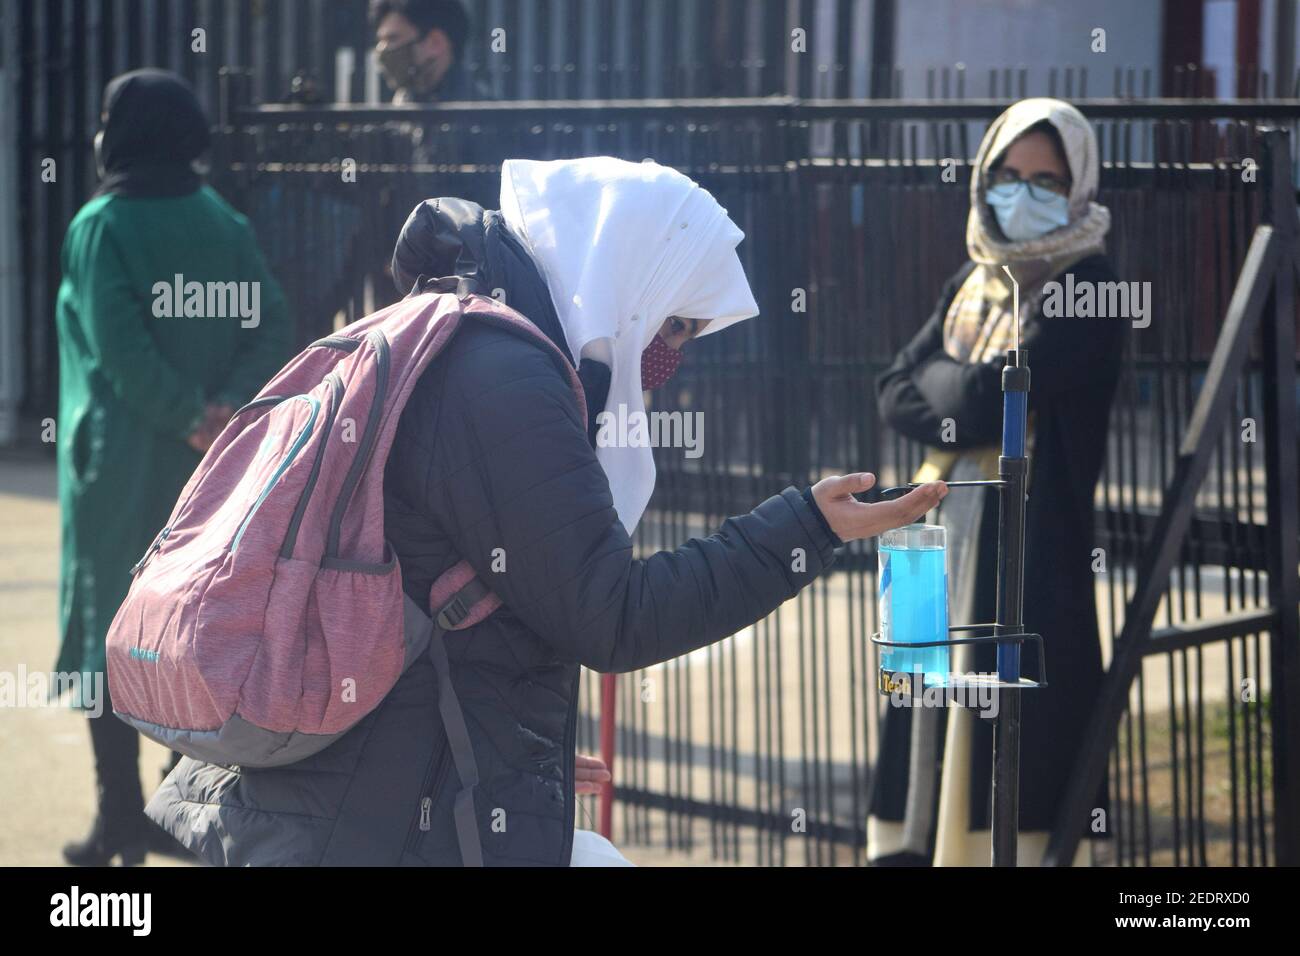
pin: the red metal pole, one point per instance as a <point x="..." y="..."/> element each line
<point x="608" y="689"/>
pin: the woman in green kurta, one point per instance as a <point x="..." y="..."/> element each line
<point x="167" y="321"/>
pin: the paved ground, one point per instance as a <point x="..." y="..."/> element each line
<point x="47" y="784"/>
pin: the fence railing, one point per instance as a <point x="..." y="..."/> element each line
<point x="57" y="57"/>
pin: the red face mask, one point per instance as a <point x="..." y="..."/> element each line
<point x="659" y="362"/>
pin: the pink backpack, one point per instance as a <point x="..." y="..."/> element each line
<point x="268" y="616"/>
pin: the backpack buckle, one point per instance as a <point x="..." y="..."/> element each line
<point x="452" y="614"/>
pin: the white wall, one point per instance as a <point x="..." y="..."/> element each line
<point x="1219" y="45"/>
<point x="1038" y="34"/>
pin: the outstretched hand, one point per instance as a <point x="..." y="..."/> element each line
<point x="851" y="519"/>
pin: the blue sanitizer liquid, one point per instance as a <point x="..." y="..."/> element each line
<point x="914" y="602"/>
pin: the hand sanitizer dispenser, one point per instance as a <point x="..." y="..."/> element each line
<point x="913" y="583"/>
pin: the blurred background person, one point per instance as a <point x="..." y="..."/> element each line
<point x="1032" y="210"/>
<point x="419" y="44"/>
<point x="143" y="395"/>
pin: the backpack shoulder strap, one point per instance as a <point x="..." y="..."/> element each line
<point x="458" y="599"/>
<point x="462" y="750"/>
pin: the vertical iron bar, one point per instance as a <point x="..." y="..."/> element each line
<point x="1283" y="522"/>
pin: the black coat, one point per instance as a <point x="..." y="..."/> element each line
<point x="1074" y="367"/>
<point x="491" y="459"/>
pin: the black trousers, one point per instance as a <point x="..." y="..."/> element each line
<point x="116" y="745"/>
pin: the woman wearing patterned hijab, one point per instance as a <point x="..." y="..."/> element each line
<point x="1032" y="211"/>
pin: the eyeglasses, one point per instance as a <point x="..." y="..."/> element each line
<point x="1042" y="186"/>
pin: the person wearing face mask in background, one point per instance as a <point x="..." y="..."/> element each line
<point x="492" y="463"/>
<point x="1032" y="209"/>
<point x="419" y="45"/>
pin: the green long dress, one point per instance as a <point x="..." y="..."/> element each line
<point x="135" y="378"/>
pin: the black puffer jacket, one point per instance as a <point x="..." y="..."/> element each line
<point x="491" y="463"/>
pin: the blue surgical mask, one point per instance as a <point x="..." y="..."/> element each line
<point x="1021" y="216"/>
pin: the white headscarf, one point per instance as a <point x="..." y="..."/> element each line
<point x="623" y="246"/>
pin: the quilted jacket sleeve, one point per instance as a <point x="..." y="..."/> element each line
<point x="517" y="488"/>
<point x="924" y="386"/>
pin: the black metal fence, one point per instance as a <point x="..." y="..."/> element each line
<point x="847" y="206"/>
<point x="64" y="52"/>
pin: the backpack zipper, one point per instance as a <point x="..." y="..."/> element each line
<point x="258" y="403"/>
<point x="291" y="535"/>
<point x="151" y="550"/>
<point x="570" y="772"/>
<point x="342" y="342"/>
<point x="433" y="777"/>
<point x="380" y="344"/>
<point x="281" y="468"/>
<point x="157" y="544"/>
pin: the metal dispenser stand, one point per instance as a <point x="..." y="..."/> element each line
<point x="1008" y="630"/>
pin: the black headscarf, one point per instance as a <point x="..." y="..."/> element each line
<point x="154" y="128"/>
<point x="445" y="237"/>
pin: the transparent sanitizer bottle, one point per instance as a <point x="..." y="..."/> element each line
<point x="913" y="582"/>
